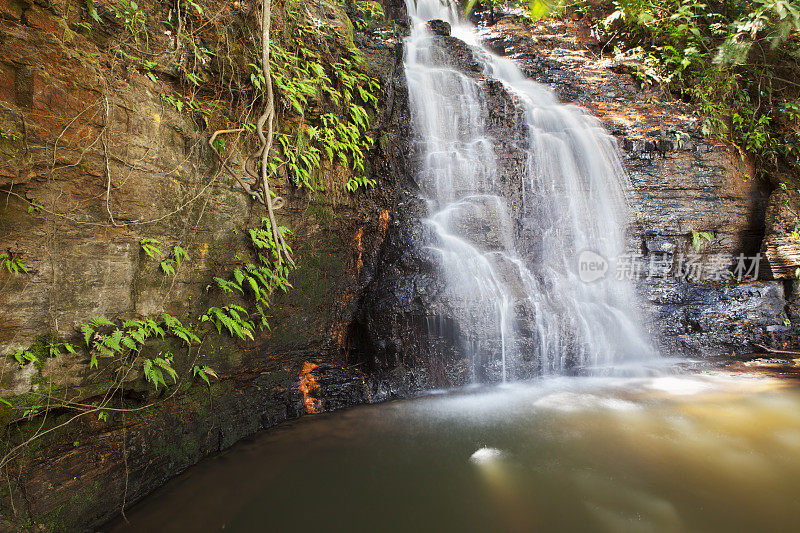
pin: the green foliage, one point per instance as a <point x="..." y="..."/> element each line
<point x="698" y="236"/>
<point x="258" y="280"/>
<point x="106" y="338"/>
<point x="133" y="17"/>
<point x="24" y="357"/>
<point x="201" y="110"/>
<point x="12" y="264"/>
<point x="9" y="136"/>
<point x="43" y="348"/>
<point x="530" y="9"/>
<point x="734" y="61"/>
<point x="33" y="206"/>
<point x="232" y="318"/>
<point x="140" y="64"/>
<point x="92" y="11"/>
<point x="302" y="79"/>
<point x="150" y="247"/>
<point x="174" y="100"/>
<point x="155" y="369"/>
<point x="204" y="372"/>
<point x="169" y="265"/>
<point x="366" y="11"/>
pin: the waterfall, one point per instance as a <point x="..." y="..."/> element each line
<point x="512" y="212"/>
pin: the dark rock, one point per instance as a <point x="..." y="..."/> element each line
<point x="657" y="244"/>
<point x="713" y="319"/>
<point x="439" y="27"/>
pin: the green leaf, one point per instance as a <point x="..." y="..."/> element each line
<point x="129" y="343"/>
<point x="92" y="11"/>
<point x="88" y="331"/>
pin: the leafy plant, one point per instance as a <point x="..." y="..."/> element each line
<point x="90" y="8"/>
<point x="232" y="318"/>
<point x="169" y="265"/>
<point x="155" y="370"/>
<point x="366" y="10"/>
<point x="258" y="279"/>
<point x="24" y="357"/>
<point x="133" y="17"/>
<point x="44" y="349"/>
<point x="698" y="236"/>
<point x="204" y="372"/>
<point x="150" y="247"/>
<point x="33" y="206"/>
<point x="9" y="136"/>
<point x="12" y="264"/>
<point x="340" y="137"/>
<point x="199" y="109"/>
<point x="105" y="338"/>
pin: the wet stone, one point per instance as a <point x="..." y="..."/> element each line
<point x="439" y="27"/>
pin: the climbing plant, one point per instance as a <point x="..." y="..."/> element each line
<point x="735" y="62"/>
<point x="314" y="102"/>
<point x="12" y="263"/>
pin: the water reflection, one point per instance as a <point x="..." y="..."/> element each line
<point x="698" y="452"/>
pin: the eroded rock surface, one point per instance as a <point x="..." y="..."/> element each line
<point x="682" y="182"/>
<point x="94" y="143"/>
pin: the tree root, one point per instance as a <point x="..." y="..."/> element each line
<point x="266" y="119"/>
<point x="774" y="350"/>
<point x="281" y="249"/>
<point x="277" y="202"/>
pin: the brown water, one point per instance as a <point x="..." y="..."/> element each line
<point x="699" y="452"/>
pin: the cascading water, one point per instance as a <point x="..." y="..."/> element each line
<point x="509" y="240"/>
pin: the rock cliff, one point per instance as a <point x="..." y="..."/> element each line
<point x="94" y="158"/>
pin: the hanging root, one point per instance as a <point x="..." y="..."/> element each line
<point x="277" y="202"/>
<point x="267" y="118"/>
<point x="266" y="138"/>
<point x="243" y="184"/>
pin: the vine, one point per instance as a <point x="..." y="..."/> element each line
<point x="295" y="78"/>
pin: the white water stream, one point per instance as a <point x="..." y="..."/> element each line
<point x="510" y="244"/>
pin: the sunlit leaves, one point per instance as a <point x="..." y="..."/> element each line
<point x="204" y="372"/>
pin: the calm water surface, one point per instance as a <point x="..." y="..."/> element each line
<point x="700" y="452"/>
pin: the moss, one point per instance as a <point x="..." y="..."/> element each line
<point x="180" y="453"/>
<point x="59" y="520"/>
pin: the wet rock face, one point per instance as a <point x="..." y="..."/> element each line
<point x="696" y="318"/>
<point x="781" y="243"/>
<point x="681" y="182"/>
<point x="439" y="27"/>
<point x="411" y="317"/>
